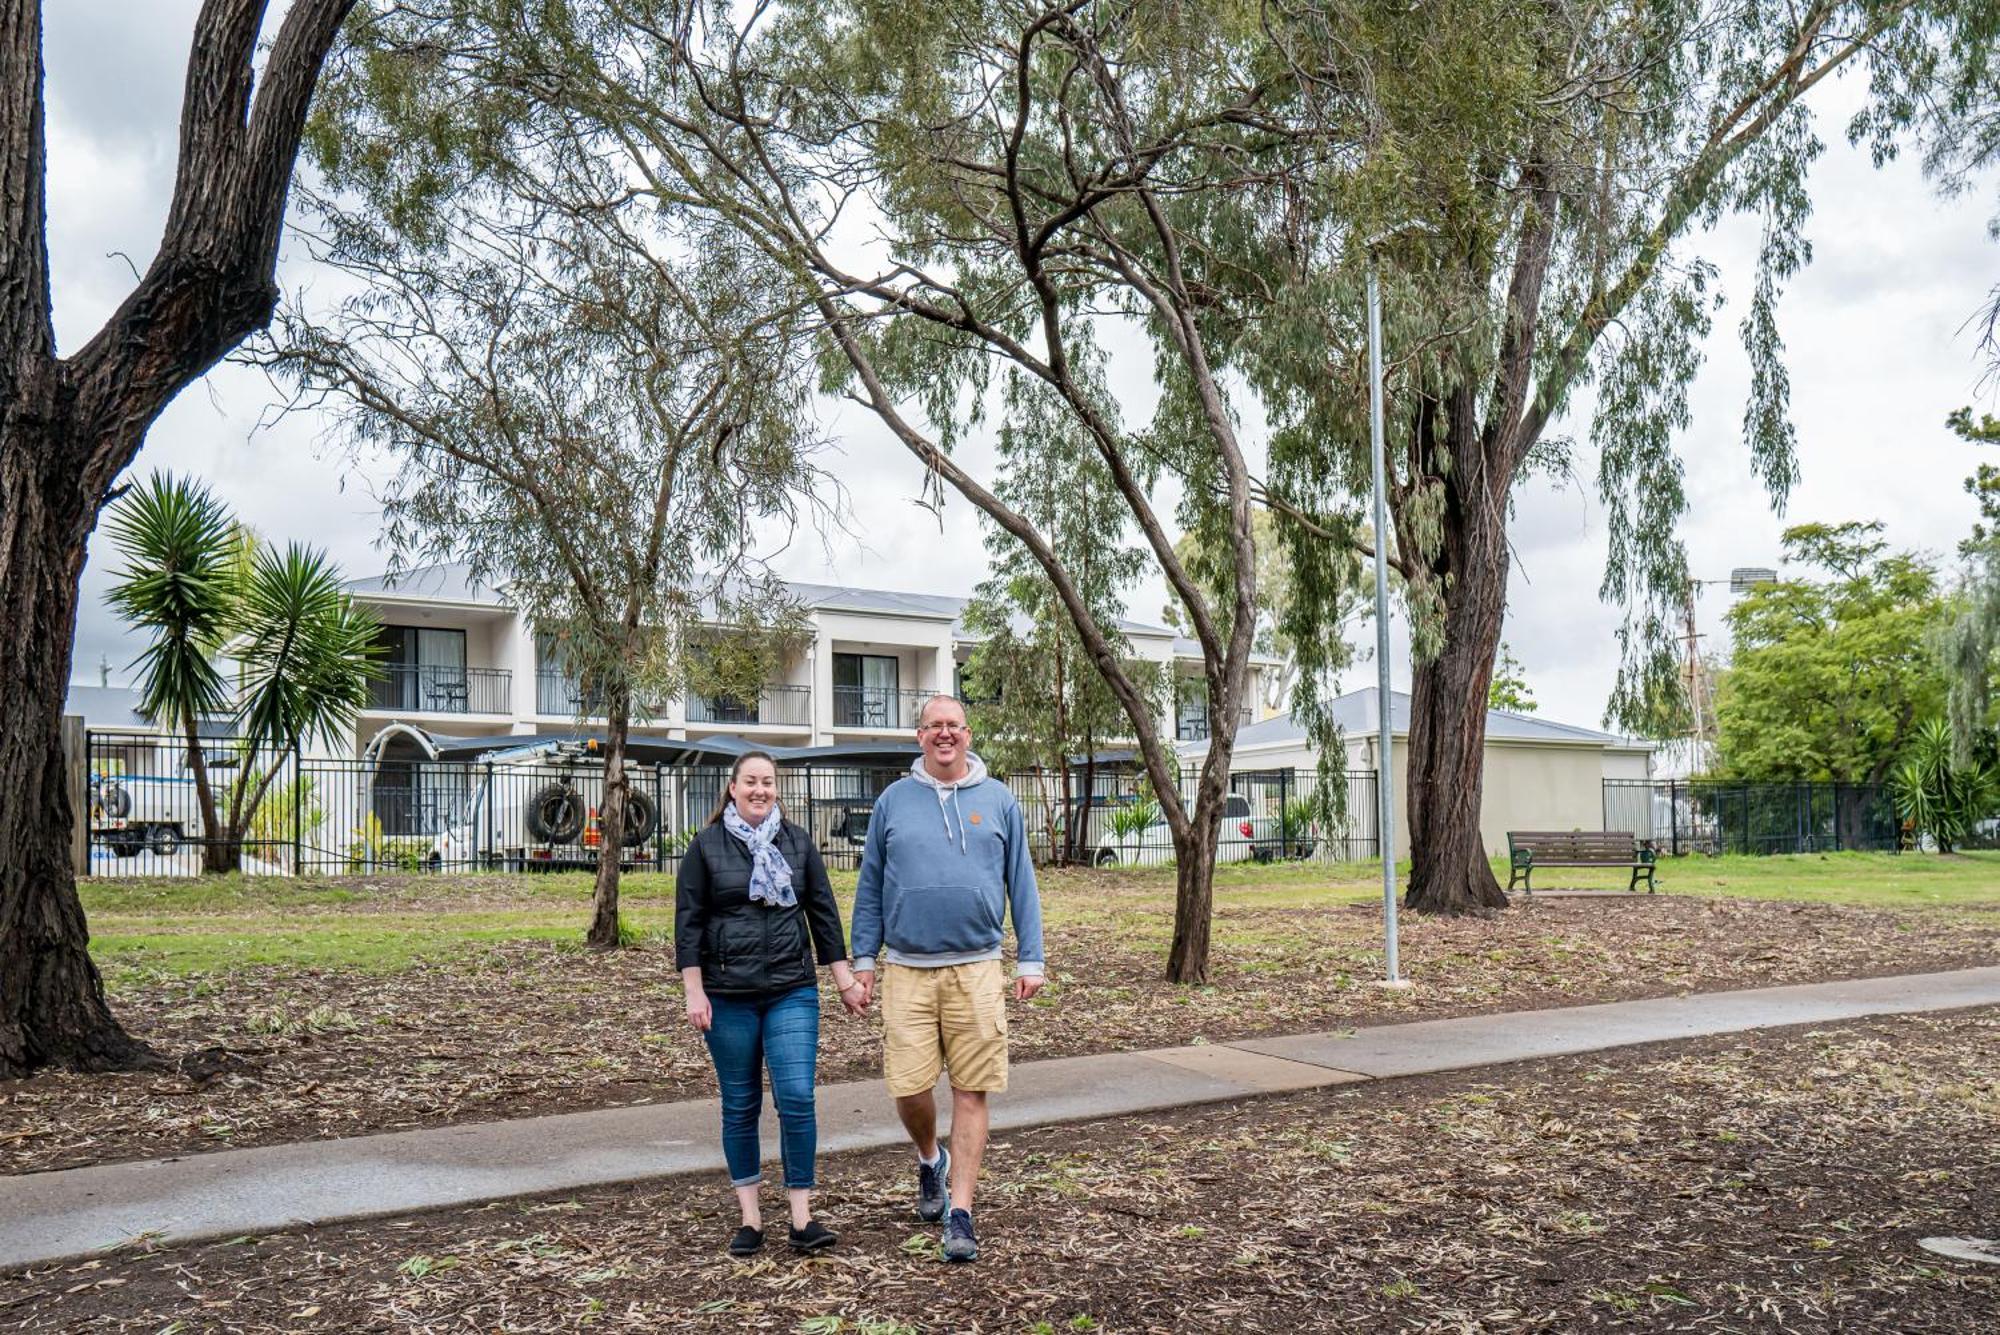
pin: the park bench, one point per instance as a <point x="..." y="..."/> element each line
<point x="1529" y="849"/>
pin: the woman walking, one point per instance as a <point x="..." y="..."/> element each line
<point x="754" y="909"/>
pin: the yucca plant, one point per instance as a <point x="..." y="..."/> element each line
<point x="201" y="585"/>
<point x="1938" y="797"/>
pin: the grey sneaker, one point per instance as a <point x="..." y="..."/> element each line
<point x="933" y="1187"/>
<point x="959" y="1244"/>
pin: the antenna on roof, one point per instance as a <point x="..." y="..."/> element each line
<point x="103" y="670"/>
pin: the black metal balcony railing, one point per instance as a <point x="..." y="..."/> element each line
<point x="877" y="707"/>
<point x="560" y="695"/>
<point x="1195" y="727"/>
<point x="432" y="689"/>
<point x="781" y="705"/>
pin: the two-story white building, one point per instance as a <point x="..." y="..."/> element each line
<point x="461" y="661"/>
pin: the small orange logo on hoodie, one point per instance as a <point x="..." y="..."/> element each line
<point x="974" y="818"/>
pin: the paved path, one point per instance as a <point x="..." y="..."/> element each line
<point x="50" y="1216"/>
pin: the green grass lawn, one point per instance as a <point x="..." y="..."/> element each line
<point x="185" y="925"/>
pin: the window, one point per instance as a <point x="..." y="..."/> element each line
<point x="865" y="691"/>
<point x="422" y="669"/>
<point x="1191" y="711"/>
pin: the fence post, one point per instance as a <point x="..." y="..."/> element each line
<point x="1674" y="816"/>
<point x="1287" y="836"/>
<point x="659" y="820"/>
<point x="491" y="797"/>
<point x="76" y="782"/>
<point x="298" y="812"/>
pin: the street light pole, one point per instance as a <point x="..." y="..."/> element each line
<point x="1385" y="786"/>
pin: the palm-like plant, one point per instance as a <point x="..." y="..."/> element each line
<point x="1938" y="797"/>
<point x="202" y="585"/>
<point x="179" y="583"/>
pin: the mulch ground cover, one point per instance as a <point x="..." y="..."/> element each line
<point x="268" y="1054"/>
<point x="1773" y="1181"/>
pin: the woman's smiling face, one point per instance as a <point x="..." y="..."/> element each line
<point x="754" y="790"/>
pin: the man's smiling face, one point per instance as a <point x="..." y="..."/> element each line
<point x="944" y="737"/>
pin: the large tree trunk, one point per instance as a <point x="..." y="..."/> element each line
<point x="603" y="933"/>
<point x="1449" y="871"/>
<point x="69" y="427"/>
<point x="52" y="1008"/>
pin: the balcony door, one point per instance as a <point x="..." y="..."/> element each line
<point x="424" y="669"/>
<point x="1191" y="718"/>
<point x="865" y="690"/>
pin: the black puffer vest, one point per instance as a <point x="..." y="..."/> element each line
<point x="746" y="946"/>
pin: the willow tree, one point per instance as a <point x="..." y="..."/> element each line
<point x="1531" y="182"/>
<point x="951" y="190"/>
<point x="591" y="400"/>
<point x="70" y="424"/>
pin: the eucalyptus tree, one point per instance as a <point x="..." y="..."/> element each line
<point x="1037" y="700"/>
<point x="1969" y="645"/>
<point x="592" y="401"/>
<point x="952" y="190"/>
<point x="70" y="424"/>
<point x="1530" y="181"/>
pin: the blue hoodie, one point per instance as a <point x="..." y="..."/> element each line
<point x="942" y="864"/>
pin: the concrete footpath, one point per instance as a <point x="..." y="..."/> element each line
<point x="52" y="1216"/>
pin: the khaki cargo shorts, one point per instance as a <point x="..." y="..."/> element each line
<point x="950" y="1019"/>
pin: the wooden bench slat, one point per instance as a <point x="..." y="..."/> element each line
<point x="1528" y="849"/>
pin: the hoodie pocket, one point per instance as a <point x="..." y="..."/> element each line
<point x="944" y="920"/>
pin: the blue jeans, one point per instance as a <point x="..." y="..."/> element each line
<point x="747" y="1034"/>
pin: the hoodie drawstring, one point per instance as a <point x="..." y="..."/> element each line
<point x="952" y="790"/>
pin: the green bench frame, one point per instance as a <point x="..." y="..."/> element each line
<point x="1529" y="849"/>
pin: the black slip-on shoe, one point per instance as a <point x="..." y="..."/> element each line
<point x="814" y="1237"/>
<point x="933" y="1187"/>
<point x="747" y="1242"/>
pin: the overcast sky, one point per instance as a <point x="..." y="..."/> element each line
<point x="1875" y="328"/>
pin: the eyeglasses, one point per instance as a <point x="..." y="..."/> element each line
<point x="943" y="727"/>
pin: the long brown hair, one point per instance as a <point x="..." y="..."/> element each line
<point x="722" y="802"/>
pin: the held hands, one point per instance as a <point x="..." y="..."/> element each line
<point x="854" y="991"/>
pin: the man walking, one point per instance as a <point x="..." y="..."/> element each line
<point x="947" y="855"/>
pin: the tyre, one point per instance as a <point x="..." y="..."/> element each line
<point x="641" y="819"/>
<point x="125" y="843"/>
<point x="1106" y="858"/>
<point x="555" y="815"/>
<point x="163" y="840"/>
<point x="117" y="803"/>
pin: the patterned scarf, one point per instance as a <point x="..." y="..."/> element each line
<point x="770" y="874"/>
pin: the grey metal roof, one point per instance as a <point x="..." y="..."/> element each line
<point x="452" y="582"/>
<point x="1357" y="715"/>
<point x="449" y="581"/>
<point x="115" y="707"/>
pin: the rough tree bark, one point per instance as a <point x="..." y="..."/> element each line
<point x="68" y="426"/>
<point x="603" y="933"/>
<point x="1449" y="872"/>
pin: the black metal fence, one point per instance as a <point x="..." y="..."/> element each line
<point x="1708" y="816"/>
<point x="148" y="817"/>
<point x="347" y="816"/>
